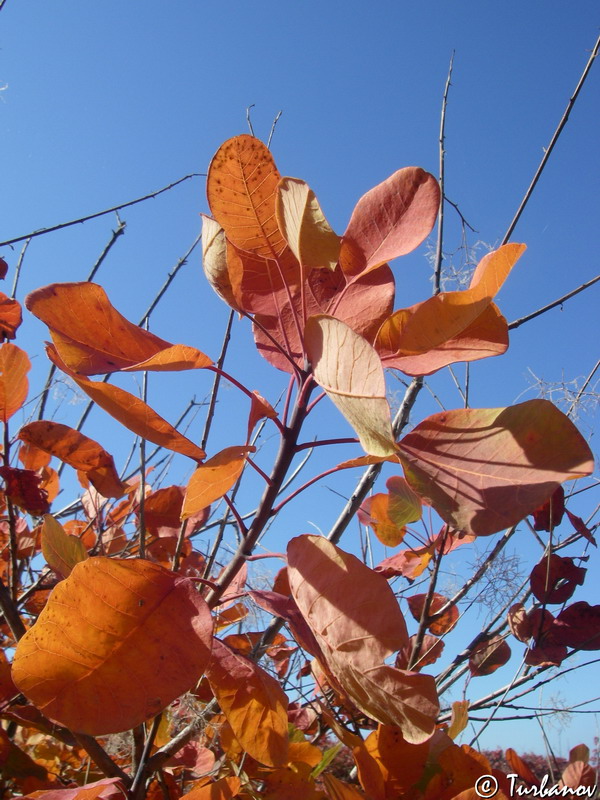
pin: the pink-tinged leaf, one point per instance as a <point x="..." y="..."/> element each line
<point x="61" y="551"/>
<point x="577" y="775"/>
<point x="106" y="789"/>
<point x="131" y="412"/>
<point x="555" y="579"/>
<point x="214" y="478"/>
<point x="430" y="650"/>
<point x="14" y="366"/>
<point x="117" y="642"/>
<point x="304" y="227"/>
<point x="286" y="608"/>
<point x="408" y="563"/>
<point x="349" y="370"/>
<point x="253" y="702"/>
<point x="486" y="336"/>
<point x="362" y="302"/>
<point x="487" y="656"/>
<point x="214" y="260"/>
<point x="483" y="470"/>
<point x="440" y="624"/>
<point x="545" y="655"/>
<point x="92" y="337"/>
<point x="390" y="220"/>
<point x="357" y="622"/>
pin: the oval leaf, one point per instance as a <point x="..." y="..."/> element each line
<point x="390" y="220"/>
<point x="253" y="702"/>
<point x="61" y="551"/>
<point x="349" y="370"/>
<point x="304" y="227"/>
<point x="214" y="260"/>
<point x="14" y="366"/>
<point x="483" y="470"/>
<point x="78" y="451"/>
<point x="357" y="622"/>
<point x="487" y="656"/>
<point x="116" y="643"/>
<point x="214" y="478"/>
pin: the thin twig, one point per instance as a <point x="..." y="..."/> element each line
<point x="439" y="255"/>
<point x="119" y="231"/>
<point x="52" y="228"/>
<point x="13" y="291"/>
<point x="248" y="120"/>
<point x="553" y="141"/>
<point x="424" y="621"/>
<point x="99" y="755"/>
<point x="583" y="388"/>
<point x="216" y="381"/>
<point x="272" y="131"/>
<point x="558" y="302"/>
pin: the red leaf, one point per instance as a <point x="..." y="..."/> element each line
<point x="441" y="624"/>
<point x="3" y="269"/>
<point x="581" y="527"/>
<point x="555" y="579"/>
<point x="483" y="470"/>
<point x="578" y="626"/>
<point x="549" y="515"/>
<point x="23" y="489"/>
<point x="11" y="317"/>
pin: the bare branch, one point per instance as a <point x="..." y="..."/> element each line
<point x="552" y="305"/>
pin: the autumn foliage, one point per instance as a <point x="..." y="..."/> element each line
<point x="113" y="620"/>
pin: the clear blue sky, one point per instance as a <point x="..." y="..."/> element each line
<point x="104" y="102"/>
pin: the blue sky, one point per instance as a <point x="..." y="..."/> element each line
<point x="105" y="102"/>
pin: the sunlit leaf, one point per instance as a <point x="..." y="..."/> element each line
<point x="16" y="763"/>
<point x="338" y="790"/>
<point x="214" y="260"/>
<point x="214" y="478"/>
<point x="388" y="514"/>
<point x="222" y="789"/>
<point x="520" y="767"/>
<point x="23" y="488"/>
<point x="78" y="451"/>
<point x="349" y="370"/>
<point x="132" y="412"/>
<point x="442" y="623"/>
<point x="116" y="642"/>
<point x="459" y="719"/>
<point x="14" y="366"/>
<point x="61" y="551"/>
<point x="483" y="470"/>
<point x="260" y="409"/>
<point x="390" y="220"/>
<point x="11" y="316"/>
<point x="401" y="763"/>
<point x="304" y="226"/>
<point x="92" y="337"/>
<point x="253" y="702"/>
<point x="357" y="622"/>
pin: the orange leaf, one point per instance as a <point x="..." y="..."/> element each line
<point x="33" y="457"/>
<point x="78" y="451"/>
<point x="441" y="624"/>
<point x="259" y="409"/>
<point x="338" y="790"/>
<point x="132" y="412"/>
<point x="483" y="470"/>
<point x="459" y="719"/>
<point x="486" y="336"/>
<point x="61" y="551"/>
<point x="349" y="370"/>
<point x="14" y="366"/>
<point x="390" y="220"/>
<point x="11" y="317"/>
<point x="241" y="185"/>
<point x="357" y="622"/>
<point x="223" y="789"/>
<point x="388" y="514"/>
<point x="253" y="702"/>
<point x="446" y="315"/>
<point x="521" y="767"/>
<point x="116" y="643"/>
<point x="92" y="337"/>
<point x="214" y="478"/>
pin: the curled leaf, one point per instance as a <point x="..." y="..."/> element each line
<point x="214" y="478"/>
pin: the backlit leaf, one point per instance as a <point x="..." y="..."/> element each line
<point x="132" y="412"/>
<point x="117" y="642"/>
<point x="520" y="767"/>
<point x="11" y="316"/>
<point x="357" y="622"/>
<point x="304" y="226"/>
<point x="459" y="719"/>
<point x="14" y="366"/>
<point x="92" y="337"/>
<point x="338" y="790"/>
<point x="23" y="488"/>
<point x="483" y="470"/>
<point x="222" y="789"/>
<point x="214" y="260"/>
<point x="388" y="514"/>
<point x="486" y="336"/>
<point x="349" y="370"/>
<point x="253" y="702"/>
<point x="214" y="478"/>
<point x="578" y="625"/>
<point x="441" y="624"/>
<point x="61" y="551"/>
<point x="78" y="451"/>
<point x="555" y="578"/>
<point x="390" y="220"/>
